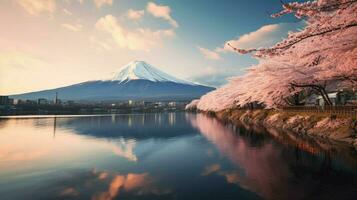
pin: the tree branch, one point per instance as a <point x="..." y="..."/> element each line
<point x="287" y="46"/>
<point x="333" y="6"/>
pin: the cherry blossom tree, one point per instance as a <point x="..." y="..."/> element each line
<point x="192" y="105"/>
<point x="322" y="57"/>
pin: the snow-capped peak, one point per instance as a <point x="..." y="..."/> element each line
<point x="141" y="70"/>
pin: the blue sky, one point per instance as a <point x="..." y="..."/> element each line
<point x="209" y="23"/>
<point x="78" y="40"/>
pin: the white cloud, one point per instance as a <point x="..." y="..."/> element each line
<point x="161" y="12"/>
<point x="100" y="3"/>
<point x="72" y="27"/>
<point x="215" y="75"/>
<point x="139" y="39"/>
<point x="17" y="66"/>
<point x="70" y="1"/>
<point x="37" y="7"/>
<point x="209" y="54"/>
<point x="100" y="44"/>
<point x="67" y="12"/>
<point x="265" y="36"/>
<point x="19" y="60"/>
<point x="135" y="14"/>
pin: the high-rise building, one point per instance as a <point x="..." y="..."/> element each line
<point x="17" y="101"/>
<point x="55" y="101"/>
<point x="4" y="100"/>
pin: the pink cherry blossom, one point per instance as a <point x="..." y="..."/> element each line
<point x="321" y="57"/>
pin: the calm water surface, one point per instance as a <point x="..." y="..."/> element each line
<point x="166" y="156"/>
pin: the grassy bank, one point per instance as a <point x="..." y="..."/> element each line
<point x="339" y="128"/>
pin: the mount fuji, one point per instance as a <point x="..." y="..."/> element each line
<point x="137" y="80"/>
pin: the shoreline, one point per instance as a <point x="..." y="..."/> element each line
<point x="32" y="116"/>
<point x="332" y="127"/>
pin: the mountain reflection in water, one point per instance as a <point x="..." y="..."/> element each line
<point x="167" y="156"/>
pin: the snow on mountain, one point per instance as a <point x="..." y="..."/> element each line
<point x="141" y="70"/>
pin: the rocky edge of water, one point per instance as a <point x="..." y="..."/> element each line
<point x="334" y="127"/>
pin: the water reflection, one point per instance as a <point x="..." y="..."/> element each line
<point x="136" y="184"/>
<point x="274" y="171"/>
<point x="167" y="156"/>
<point x="138" y="126"/>
<point x="125" y="149"/>
<point x="103" y="185"/>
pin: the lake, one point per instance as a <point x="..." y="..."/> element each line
<point x="167" y="156"/>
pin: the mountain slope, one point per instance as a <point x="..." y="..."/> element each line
<point x="141" y="70"/>
<point x="136" y="80"/>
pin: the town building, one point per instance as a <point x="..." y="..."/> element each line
<point x="172" y="104"/>
<point x="4" y="100"/>
<point x="338" y="98"/>
<point x="42" y="101"/>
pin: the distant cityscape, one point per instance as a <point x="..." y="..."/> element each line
<point x="11" y="106"/>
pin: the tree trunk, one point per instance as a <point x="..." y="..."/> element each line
<point x="327" y="98"/>
<point x="320" y="89"/>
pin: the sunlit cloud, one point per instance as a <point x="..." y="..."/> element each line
<point x="37" y="7"/>
<point x="70" y="1"/>
<point x="265" y="36"/>
<point x="135" y="14"/>
<point x="100" y="44"/>
<point x="139" y="39"/>
<point x="72" y="27"/>
<point x="20" y="60"/>
<point x="17" y="66"/>
<point x="67" y="12"/>
<point x="161" y="11"/>
<point x="209" y="54"/>
<point x="262" y="37"/>
<point x="100" y="3"/>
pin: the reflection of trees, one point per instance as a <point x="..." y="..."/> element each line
<point x="288" y="138"/>
<point x="317" y="146"/>
<point x="307" y="143"/>
<point x="262" y="174"/>
<point x="287" y="169"/>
